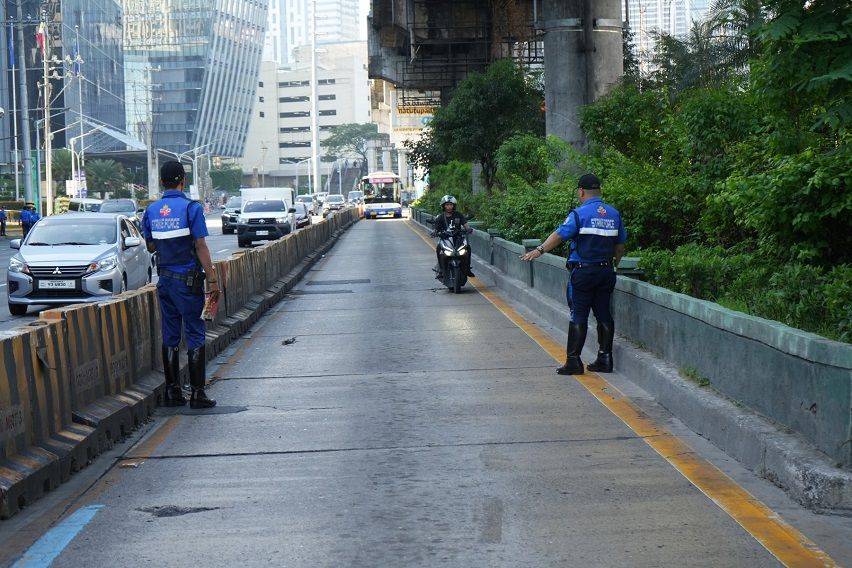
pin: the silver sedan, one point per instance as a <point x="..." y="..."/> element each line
<point x="75" y="258"/>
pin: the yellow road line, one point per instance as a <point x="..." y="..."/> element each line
<point x="782" y="540"/>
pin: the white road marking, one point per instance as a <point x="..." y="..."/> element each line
<point x="223" y="250"/>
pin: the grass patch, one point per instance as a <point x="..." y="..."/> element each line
<point x="692" y="374"/>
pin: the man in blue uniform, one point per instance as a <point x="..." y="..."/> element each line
<point x="174" y="227"/>
<point x="597" y="237"/>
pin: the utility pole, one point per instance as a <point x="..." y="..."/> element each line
<point x="315" y="151"/>
<point x="13" y="66"/>
<point x="48" y="140"/>
<point x="78" y="61"/>
<point x="25" y="106"/>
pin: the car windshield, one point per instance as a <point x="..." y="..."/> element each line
<point x="233" y="203"/>
<point x="335" y="199"/>
<point x="301" y="209"/>
<point x="118" y="206"/>
<point x="263" y="206"/>
<point x="355" y="195"/>
<point x="54" y="232"/>
<point x="304" y="199"/>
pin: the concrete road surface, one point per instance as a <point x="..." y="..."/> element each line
<point x="405" y="426"/>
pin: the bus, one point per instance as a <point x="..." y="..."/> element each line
<point x="381" y="195"/>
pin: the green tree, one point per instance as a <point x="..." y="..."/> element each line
<point x="227" y="178"/>
<point x="61" y="165"/>
<point x="105" y="176"/>
<point x="486" y="110"/>
<point x="351" y="140"/>
<point x="424" y="152"/>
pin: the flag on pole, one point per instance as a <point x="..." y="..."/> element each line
<point x="41" y="33"/>
<point x="11" y="43"/>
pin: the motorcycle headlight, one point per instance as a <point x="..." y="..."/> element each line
<point x="17" y="264"/>
<point x="463" y="250"/>
<point x="107" y="263"/>
<point x="448" y="250"/>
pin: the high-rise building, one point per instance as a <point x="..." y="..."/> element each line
<point x="88" y="28"/>
<point x="192" y="66"/>
<point x="279" y="140"/>
<point x="290" y="25"/>
<point x="674" y="17"/>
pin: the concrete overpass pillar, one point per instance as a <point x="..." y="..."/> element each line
<point x="372" y="158"/>
<point x="582" y="60"/>
<point x="402" y="166"/>
<point x="387" y="160"/>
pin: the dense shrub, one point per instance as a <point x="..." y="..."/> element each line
<point x="799" y="295"/>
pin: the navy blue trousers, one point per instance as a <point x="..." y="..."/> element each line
<point x="180" y="307"/>
<point x="590" y="289"/>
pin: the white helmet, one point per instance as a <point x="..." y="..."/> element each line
<point x="448" y="199"/>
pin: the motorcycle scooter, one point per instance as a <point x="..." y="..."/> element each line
<point x="453" y="246"/>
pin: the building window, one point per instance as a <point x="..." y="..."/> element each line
<point x="294" y="129"/>
<point x="260" y="84"/>
<point x="328" y="97"/>
<point x="294" y="83"/>
<point x="293" y="99"/>
<point x="262" y="114"/>
<point x="260" y="99"/>
<point x="298" y="114"/>
<point x="326" y="82"/>
<point x="328" y="113"/>
<point x="294" y="144"/>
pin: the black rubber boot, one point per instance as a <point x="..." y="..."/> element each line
<point x="603" y="364"/>
<point x="576" y="338"/>
<point x="173" y="395"/>
<point x="197" y="372"/>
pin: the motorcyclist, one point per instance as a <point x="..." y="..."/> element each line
<point x="444" y="221"/>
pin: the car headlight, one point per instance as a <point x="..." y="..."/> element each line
<point x="17" y="264"/>
<point x="242" y="220"/>
<point x="104" y="264"/>
<point x="280" y="220"/>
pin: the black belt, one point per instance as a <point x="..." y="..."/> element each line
<point x="185" y="278"/>
<point x="572" y="265"/>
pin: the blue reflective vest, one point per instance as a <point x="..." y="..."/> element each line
<point x="173" y="223"/>
<point x="594" y="228"/>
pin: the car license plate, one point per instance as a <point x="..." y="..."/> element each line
<point x="262" y="233"/>
<point x="56" y="284"/>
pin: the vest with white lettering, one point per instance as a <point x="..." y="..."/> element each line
<point x="168" y="219"/>
<point x="598" y="226"/>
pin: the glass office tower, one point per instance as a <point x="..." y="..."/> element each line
<point x="192" y="67"/>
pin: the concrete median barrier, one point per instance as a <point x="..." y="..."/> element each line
<point x="41" y="446"/>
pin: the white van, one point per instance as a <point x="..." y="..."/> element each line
<point x="84" y="205"/>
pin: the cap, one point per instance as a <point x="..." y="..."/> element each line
<point x="589" y="181"/>
<point x="172" y="172"/>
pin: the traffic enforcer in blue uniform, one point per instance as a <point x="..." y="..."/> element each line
<point x="597" y="236"/>
<point x="174" y="228"/>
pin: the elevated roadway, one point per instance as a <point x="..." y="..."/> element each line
<point x="373" y="419"/>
